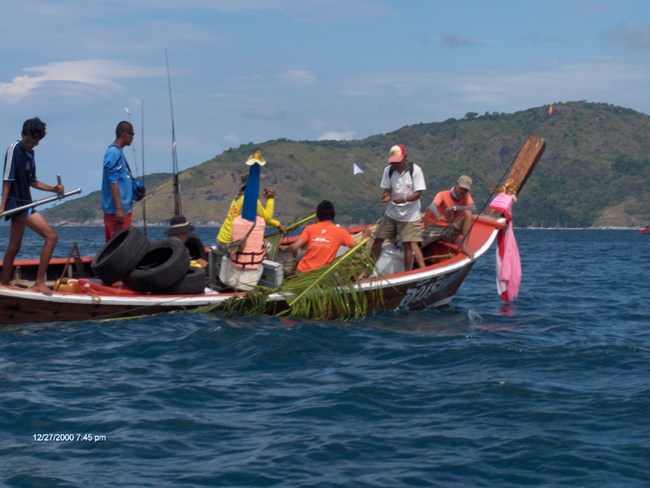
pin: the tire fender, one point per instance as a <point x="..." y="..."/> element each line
<point x="164" y="264"/>
<point x="196" y="247"/>
<point x="193" y="283"/>
<point x="117" y="258"/>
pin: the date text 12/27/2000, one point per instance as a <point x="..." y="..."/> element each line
<point x="69" y="438"/>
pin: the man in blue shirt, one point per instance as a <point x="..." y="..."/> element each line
<point x="117" y="184"/>
<point x="18" y="176"/>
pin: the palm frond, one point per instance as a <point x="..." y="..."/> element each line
<point x="332" y="290"/>
<point x="274" y="239"/>
<point x="328" y="292"/>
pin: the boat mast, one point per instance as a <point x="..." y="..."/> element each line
<point x="144" y="200"/>
<point x="135" y="161"/>
<point x="177" y="198"/>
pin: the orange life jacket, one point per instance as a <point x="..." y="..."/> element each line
<point x="252" y="249"/>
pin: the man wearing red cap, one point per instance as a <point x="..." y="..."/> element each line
<point x="402" y="190"/>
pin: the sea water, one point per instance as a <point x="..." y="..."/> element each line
<point x="551" y="390"/>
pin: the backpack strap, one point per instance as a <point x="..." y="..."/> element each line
<point x="128" y="168"/>
<point x="392" y="170"/>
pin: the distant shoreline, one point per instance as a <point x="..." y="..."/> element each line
<point x="218" y="224"/>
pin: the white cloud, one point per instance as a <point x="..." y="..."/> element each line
<point x="298" y="76"/>
<point x="336" y="136"/>
<point x="232" y="139"/>
<point x="101" y="74"/>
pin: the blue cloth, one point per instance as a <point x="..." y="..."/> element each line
<point x="249" y="209"/>
<point x="116" y="171"/>
<point x="20" y="170"/>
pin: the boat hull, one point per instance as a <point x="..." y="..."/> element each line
<point x="18" y="306"/>
<point x="433" y="286"/>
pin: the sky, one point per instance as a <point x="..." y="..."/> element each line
<point x="249" y="71"/>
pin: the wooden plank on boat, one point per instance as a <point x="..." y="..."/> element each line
<point x="524" y="164"/>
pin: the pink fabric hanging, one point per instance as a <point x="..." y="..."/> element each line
<point x="508" y="263"/>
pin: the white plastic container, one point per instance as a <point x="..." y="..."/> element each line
<point x="390" y="261"/>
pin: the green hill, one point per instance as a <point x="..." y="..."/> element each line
<point x="595" y="170"/>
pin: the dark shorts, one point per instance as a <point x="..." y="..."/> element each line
<point x="435" y="233"/>
<point x="24" y="213"/>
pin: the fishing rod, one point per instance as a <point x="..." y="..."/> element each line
<point x="144" y="200"/>
<point x="177" y="198"/>
<point x="45" y="200"/>
<point x="135" y="160"/>
<point x="356" y="170"/>
<point x="534" y="146"/>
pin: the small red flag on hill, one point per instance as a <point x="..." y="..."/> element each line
<point x="550" y="110"/>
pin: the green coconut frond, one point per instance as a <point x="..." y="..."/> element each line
<point x="252" y="302"/>
<point x="274" y="239"/>
<point x="332" y="291"/>
<point x="328" y="292"/>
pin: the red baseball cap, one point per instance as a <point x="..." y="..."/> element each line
<point x="397" y="154"/>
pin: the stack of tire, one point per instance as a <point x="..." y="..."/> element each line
<point x="160" y="267"/>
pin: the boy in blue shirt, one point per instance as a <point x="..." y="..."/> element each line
<point x="18" y="176"/>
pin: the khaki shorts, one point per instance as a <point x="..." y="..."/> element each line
<point x="406" y="231"/>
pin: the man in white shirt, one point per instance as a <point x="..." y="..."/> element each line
<point x="403" y="184"/>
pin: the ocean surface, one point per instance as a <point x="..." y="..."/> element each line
<point x="551" y="390"/>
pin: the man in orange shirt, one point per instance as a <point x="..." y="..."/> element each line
<point x="323" y="239"/>
<point x="451" y="213"/>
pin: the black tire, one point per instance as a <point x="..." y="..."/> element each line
<point x="192" y="284"/>
<point x="117" y="258"/>
<point x="164" y="264"/>
<point x="196" y="247"/>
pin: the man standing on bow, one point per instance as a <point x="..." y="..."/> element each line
<point x="117" y="183"/>
<point x="403" y="184"/>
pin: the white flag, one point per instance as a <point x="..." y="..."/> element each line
<point x="355" y="169"/>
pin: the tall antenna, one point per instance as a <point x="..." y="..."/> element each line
<point x="135" y="157"/>
<point x="135" y="161"/>
<point x="177" y="198"/>
<point x="144" y="200"/>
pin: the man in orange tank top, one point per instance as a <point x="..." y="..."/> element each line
<point x="451" y="213"/>
<point x="323" y="239"/>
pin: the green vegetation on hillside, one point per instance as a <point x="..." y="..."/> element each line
<point x="594" y="172"/>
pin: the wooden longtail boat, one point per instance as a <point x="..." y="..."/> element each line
<point x="432" y="286"/>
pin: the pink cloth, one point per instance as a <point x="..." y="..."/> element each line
<point x="503" y="203"/>
<point x="508" y="263"/>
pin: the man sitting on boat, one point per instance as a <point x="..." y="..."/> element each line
<point x="323" y="239"/>
<point x="180" y="228"/>
<point x="451" y="214"/>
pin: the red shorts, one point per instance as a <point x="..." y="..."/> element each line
<point x="111" y="227"/>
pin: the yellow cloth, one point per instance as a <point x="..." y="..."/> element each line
<point x="225" y="233"/>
